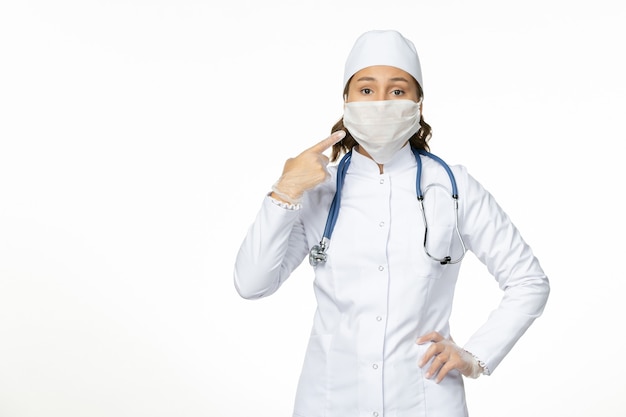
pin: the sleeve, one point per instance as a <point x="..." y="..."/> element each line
<point x="273" y="247"/>
<point x="491" y="236"/>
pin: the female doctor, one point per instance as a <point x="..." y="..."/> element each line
<point x="385" y="232"/>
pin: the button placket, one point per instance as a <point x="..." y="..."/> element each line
<point x="372" y="361"/>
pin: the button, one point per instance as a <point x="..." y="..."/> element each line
<point x="375" y="366"/>
<point x="375" y="414"/>
<point x="378" y="318"/>
<point x="382" y="181"/>
<point x="381" y="268"/>
<point x="381" y="224"/>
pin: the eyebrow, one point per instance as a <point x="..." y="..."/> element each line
<point x="391" y="79"/>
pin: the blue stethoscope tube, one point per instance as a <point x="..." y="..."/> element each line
<point x="318" y="252"/>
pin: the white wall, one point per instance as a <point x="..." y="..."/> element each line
<point x="137" y="139"/>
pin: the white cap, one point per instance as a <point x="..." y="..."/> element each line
<point x="383" y="47"/>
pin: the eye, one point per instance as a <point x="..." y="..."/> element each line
<point x="397" y="92"/>
<point x="366" y="91"/>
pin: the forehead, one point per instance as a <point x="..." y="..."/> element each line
<point x="382" y="73"/>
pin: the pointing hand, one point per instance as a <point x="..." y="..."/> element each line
<point x="305" y="171"/>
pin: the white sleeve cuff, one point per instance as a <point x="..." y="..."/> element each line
<point x="286" y="206"/>
<point x="478" y="367"/>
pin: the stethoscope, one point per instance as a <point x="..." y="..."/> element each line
<point x="318" y="252"/>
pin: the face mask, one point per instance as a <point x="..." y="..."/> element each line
<point x="382" y="127"/>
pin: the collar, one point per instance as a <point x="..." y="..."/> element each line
<point x="403" y="159"/>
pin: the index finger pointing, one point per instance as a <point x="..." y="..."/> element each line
<point x="328" y="142"/>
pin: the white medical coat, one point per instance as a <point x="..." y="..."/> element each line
<point x="379" y="291"/>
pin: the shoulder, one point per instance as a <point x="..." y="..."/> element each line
<point x="436" y="168"/>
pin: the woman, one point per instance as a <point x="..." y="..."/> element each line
<point x="384" y="280"/>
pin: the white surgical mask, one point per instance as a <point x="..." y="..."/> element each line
<point x="382" y="127"/>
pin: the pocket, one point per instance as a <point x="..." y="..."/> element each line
<point x="313" y="384"/>
<point x="447" y="396"/>
<point x="440" y="218"/>
<point x="408" y="394"/>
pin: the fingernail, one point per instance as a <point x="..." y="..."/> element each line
<point x="427" y="375"/>
<point x="340" y="133"/>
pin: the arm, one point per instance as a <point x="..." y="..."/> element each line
<point x="273" y="247"/>
<point x="489" y="233"/>
<point x="276" y="244"/>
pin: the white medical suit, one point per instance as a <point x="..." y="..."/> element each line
<point x="378" y="291"/>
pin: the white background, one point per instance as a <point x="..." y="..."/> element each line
<point x="137" y="139"/>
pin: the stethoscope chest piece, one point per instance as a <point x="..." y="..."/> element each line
<point x="318" y="252"/>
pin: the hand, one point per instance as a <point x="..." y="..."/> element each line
<point x="305" y="171"/>
<point x="446" y="355"/>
